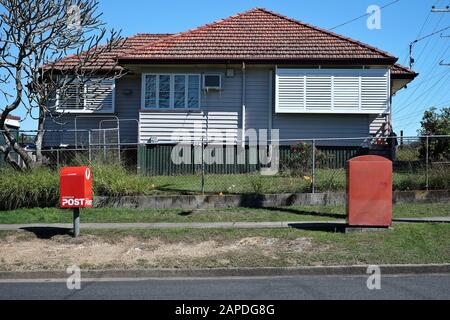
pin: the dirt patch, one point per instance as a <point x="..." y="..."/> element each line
<point x="22" y="253"/>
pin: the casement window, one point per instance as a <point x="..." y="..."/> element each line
<point x="87" y="97"/>
<point x="332" y="91"/>
<point x="170" y="91"/>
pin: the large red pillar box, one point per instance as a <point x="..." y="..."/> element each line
<point x="75" y="187"/>
<point x="369" y="191"/>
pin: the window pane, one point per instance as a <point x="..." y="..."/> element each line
<point x="150" y="91"/>
<point x="193" y="92"/>
<point x="180" y="91"/>
<point x="164" y="91"/>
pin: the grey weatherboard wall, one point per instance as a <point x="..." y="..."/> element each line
<point x="259" y="102"/>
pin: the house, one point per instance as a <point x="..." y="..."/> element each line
<point x="257" y="69"/>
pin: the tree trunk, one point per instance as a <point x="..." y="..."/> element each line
<point x="40" y="136"/>
<point x="11" y="143"/>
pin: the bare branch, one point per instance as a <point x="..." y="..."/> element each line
<point x="46" y="48"/>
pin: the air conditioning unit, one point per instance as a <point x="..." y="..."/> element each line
<point x="212" y="82"/>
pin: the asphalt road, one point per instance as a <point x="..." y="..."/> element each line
<point x="304" y="287"/>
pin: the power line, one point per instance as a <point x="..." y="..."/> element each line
<point x="411" y="61"/>
<point x="427" y="42"/>
<point x="421" y="29"/>
<point x="431" y="34"/>
<point x="362" y="16"/>
<point x="419" y="85"/>
<point x="426" y="93"/>
<point x="424" y="101"/>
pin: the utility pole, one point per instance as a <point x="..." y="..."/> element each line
<point x="411" y="45"/>
<point x="434" y="9"/>
<point x="447" y="9"/>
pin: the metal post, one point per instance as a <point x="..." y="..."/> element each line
<point x="313" y="165"/>
<point x="427" y="161"/>
<point x="57" y="158"/>
<point x="90" y="151"/>
<point x="76" y="222"/>
<point x="203" y="168"/>
<point x="104" y="145"/>
<point x="118" y="145"/>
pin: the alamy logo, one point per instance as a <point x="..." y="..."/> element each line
<point x="374" y="19"/>
<point x="74" y="17"/>
<point x="227" y="147"/>
<point x="374" y="280"/>
<point x="73" y="282"/>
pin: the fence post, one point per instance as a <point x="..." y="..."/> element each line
<point x="57" y="158"/>
<point x="314" y="166"/>
<point x="118" y="145"/>
<point x="90" y="151"/>
<point x="104" y="145"/>
<point x="203" y="167"/>
<point x="427" y="162"/>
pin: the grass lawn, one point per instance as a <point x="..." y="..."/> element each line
<point x="187" y="248"/>
<point x="54" y="215"/>
<point x="325" y="180"/>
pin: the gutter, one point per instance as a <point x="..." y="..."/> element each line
<point x="253" y="60"/>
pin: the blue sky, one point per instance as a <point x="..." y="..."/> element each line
<point x="401" y="23"/>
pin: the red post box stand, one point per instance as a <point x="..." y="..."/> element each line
<point x="75" y="191"/>
<point x="369" y="192"/>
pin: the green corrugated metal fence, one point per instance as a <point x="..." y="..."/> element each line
<point x="155" y="160"/>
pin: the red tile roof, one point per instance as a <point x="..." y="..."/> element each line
<point x="107" y="60"/>
<point x="399" y="71"/>
<point x="258" y="34"/>
<point x="255" y="35"/>
<point x="11" y="117"/>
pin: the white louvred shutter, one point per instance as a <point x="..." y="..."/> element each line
<point x="374" y="90"/>
<point x="71" y="97"/>
<point x="332" y="91"/>
<point x="346" y="92"/>
<point x="100" y="95"/>
<point x="291" y="90"/>
<point x="318" y="92"/>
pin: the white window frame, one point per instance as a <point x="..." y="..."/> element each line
<point x="60" y="109"/>
<point x="172" y="91"/>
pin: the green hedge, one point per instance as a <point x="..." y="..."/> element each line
<point x="40" y="188"/>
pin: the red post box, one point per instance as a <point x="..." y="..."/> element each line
<point x="369" y="191"/>
<point x="75" y="187"/>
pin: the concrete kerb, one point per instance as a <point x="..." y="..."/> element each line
<point x="358" y="270"/>
<point x="190" y="202"/>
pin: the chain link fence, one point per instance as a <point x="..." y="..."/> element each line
<point x="312" y="165"/>
<point x="287" y="166"/>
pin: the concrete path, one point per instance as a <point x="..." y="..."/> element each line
<point x="425" y="220"/>
<point x="192" y="225"/>
<point x="213" y="225"/>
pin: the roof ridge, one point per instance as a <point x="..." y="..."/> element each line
<point x="387" y="54"/>
<point x="150" y="34"/>
<point x="267" y="11"/>
<point x="204" y="26"/>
